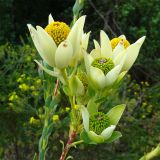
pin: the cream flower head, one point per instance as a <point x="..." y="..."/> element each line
<point x="57" y="44"/>
<point x="99" y="127"/>
<point x="104" y="64"/>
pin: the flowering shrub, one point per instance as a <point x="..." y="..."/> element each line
<point x="28" y="124"/>
<point x="81" y="89"/>
<point x="64" y="54"/>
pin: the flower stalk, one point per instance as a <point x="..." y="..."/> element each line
<point x="56" y="87"/>
<point x="67" y="147"/>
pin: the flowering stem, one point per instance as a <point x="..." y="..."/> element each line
<point x="67" y="147"/>
<point x="48" y="124"/>
<point x="73" y="129"/>
<point x="44" y="140"/>
<point x="64" y="75"/>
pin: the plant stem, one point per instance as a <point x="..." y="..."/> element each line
<point x="72" y="134"/>
<point x="154" y="153"/>
<point x="43" y="140"/>
<point x="56" y="88"/>
<point x="67" y="147"/>
<point x="75" y="143"/>
<point x="48" y="126"/>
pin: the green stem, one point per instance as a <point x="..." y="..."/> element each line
<point x="44" y="140"/>
<point x="64" y="75"/>
<point x="73" y="129"/>
<point x="154" y="153"/>
<point x="75" y="143"/>
<point x="75" y="17"/>
<point x="74" y="122"/>
<point x="48" y="124"/>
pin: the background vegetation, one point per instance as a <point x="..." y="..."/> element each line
<point x="21" y="91"/>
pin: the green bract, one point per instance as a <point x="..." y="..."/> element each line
<point x="123" y="58"/>
<point x="76" y="86"/>
<point x="103" y="135"/>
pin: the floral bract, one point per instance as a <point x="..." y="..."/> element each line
<point x="120" y="60"/>
<point x="103" y="126"/>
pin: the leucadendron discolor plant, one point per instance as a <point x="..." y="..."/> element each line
<point x="86" y="78"/>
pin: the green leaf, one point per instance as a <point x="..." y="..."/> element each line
<point x="53" y="104"/>
<point x="49" y="129"/>
<point x="95" y="137"/>
<point x="69" y="157"/>
<point x="76" y="86"/>
<point x="50" y="72"/>
<point x="35" y="157"/>
<point x="66" y="90"/>
<point x="85" y="138"/>
<point x="78" y="6"/>
<point x="100" y="100"/>
<point x="62" y="144"/>
<point x="92" y="107"/>
<point x="91" y="91"/>
<point x="115" y="113"/>
<point x="119" y="79"/>
<point x="115" y="135"/>
<point x="48" y="101"/>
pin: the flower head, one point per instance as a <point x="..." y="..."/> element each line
<point x="108" y="60"/>
<point x="57" y="44"/>
<point x="99" y="127"/>
<point x="34" y="121"/>
<point x="55" y="117"/>
<point x="98" y="122"/>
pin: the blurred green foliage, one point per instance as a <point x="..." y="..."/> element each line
<point x="20" y="97"/>
<point x="21" y="89"/>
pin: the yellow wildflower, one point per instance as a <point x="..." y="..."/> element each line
<point x="55" y="117"/>
<point x="67" y="109"/>
<point x="33" y="120"/>
<point x="38" y="81"/>
<point x="34" y="93"/>
<point x="76" y="106"/>
<point x="32" y="87"/>
<point x="13" y="96"/>
<point x="19" y="80"/>
<point x="24" y="87"/>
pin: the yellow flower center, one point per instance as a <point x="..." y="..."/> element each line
<point x="58" y="31"/>
<point x="115" y="41"/>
